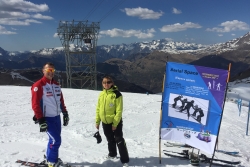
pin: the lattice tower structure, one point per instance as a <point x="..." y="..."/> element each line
<point x="79" y="40"/>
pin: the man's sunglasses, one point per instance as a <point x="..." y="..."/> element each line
<point x="108" y="82"/>
<point x="50" y="69"/>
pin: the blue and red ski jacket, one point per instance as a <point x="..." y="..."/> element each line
<point x="47" y="98"/>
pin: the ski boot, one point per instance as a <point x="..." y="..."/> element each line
<point x="125" y="165"/>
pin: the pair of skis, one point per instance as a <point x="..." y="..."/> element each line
<point x="41" y="164"/>
<point x="37" y="164"/>
<point x="32" y="164"/>
<point x="233" y="153"/>
<point x="172" y="144"/>
<point x="185" y="155"/>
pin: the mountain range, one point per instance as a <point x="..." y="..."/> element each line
<point x="142" y="63"/>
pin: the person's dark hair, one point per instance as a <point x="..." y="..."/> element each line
<point x="49" y="63"/>
<point x="109" y="78"/>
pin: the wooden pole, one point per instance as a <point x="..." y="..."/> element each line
<point x="229" y="68"/>
<point x="163" y="83"/>
<point x="161" y="120"/>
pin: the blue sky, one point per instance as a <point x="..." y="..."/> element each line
<point x="32" y="25"/>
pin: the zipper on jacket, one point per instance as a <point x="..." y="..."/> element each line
<point x="44" y="111"/>
<point x="54" y="98"/>
<point x="105" y="105"/>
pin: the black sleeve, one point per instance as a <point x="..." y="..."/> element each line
<point x="117" y="93"/>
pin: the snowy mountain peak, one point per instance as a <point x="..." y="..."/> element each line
<point x="163" y="45"/>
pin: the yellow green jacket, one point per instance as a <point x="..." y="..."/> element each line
<point x="109" y="107"/>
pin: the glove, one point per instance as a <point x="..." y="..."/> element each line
<point x="43" y="125"/>
<point x="35" y="119"/>
<point x="98" y="137"/>
<point x="65" y="118"/>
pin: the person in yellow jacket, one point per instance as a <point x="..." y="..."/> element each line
<point x="109" y="112"/>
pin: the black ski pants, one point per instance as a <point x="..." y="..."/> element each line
<point x="116" y="138"/>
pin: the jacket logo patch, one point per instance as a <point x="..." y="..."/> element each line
<point x="49" y="94"/>
<point x="35" y="89"/>
<point x="111" y="105"/>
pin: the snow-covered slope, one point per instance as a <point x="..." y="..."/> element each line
<point x="20" y="137"/>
